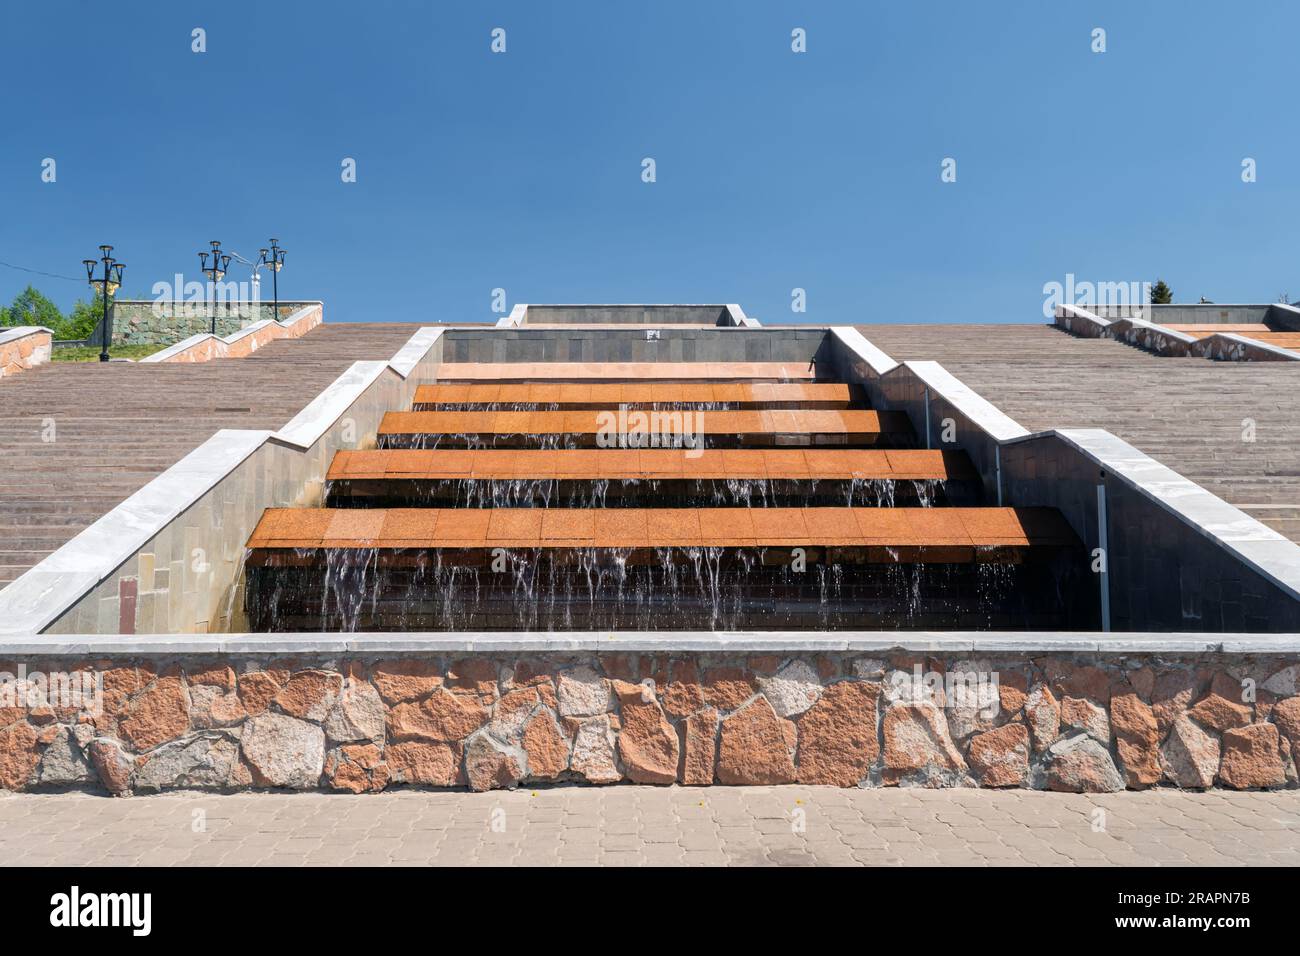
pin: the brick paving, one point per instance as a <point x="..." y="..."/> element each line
<point x="633" y="825"/>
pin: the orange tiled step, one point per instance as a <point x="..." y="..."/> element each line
<point x="654" y="463"/>
<point x="597" y="395"/>
<point x="1283" y="340"/>
<point x="910" y="528"/>
<point x="1200" y="330"/>
<point x="1257" y="331"/>
<point x="794" y="422"/>
<point x="624" y="371"/>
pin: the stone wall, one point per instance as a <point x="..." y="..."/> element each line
<point x="23" y="347"/>
<point x="1071" y="722"/>
<point x="144" y="322"/>
<point x="723" y="344"/>
<point x="205" y="347"/>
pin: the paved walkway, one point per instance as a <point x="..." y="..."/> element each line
<point x="655" y="825"/>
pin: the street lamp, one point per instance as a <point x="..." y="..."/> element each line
<point x="215" y="273"/>
<point x="108" y="285"/>
<point x="273" y="258"/>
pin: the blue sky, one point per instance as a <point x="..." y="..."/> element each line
<point x="775" y="170"/>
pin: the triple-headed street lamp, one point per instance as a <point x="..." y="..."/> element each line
<point x="108" y="285"/>
<point x="273" y="258"/>
<point x="215" y="273"/>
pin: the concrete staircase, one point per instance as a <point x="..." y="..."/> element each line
<point x="1185" y="412"/>
<point x="76" y="439"/>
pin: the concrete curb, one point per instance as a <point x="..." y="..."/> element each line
<point x="701" y="642"/>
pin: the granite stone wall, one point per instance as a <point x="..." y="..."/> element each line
<point x="1069" y="722"/>
<point x="144" y="322"/>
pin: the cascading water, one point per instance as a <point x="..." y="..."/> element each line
<point x="700" y="585"/>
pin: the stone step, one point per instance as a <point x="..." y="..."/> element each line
<point x="120" y="424"/>
<point x="946" y="534"/>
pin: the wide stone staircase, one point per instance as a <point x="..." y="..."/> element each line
<point x="1231" y="427"/>
<point x="77" y="439"/>
<point x="737" y="501"/>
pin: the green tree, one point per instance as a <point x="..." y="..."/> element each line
<point x="81" y="322"/>
<point x="1160" y="293"/>
<point x="30" y="307"/>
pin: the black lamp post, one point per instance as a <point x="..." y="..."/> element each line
<point x="273" y="259"/>
<point x="108" y="285"/>
<point x="215" y="273"/>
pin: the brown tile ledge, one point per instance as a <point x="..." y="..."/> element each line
<point x="659" y="463"/>
<point x="801" y="422"/>
<point x="389" y="528"/>
<point x="251" y="719"/>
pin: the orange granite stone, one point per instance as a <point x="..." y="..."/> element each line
<point x="935" y="527"/>
<point x="620" y="528"/>
<point x="353" y="528"/>
<point x="779" y="526"/>
<point x="834" y="526"/>
<point x="408" y="527"/>
<point x="672" y="526"/>
<point x="726" y="527"/>
<point x="463" y="527"/>
<point x="931" y="534"/>
<point x="520" y="527"/>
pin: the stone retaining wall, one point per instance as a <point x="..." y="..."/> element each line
<point x="205" y="347"/>
<point x="23" y="347"/>
<point x="1071" y="722"/>
<point x="145" y="322"/>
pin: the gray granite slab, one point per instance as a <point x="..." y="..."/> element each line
<point x="720" y="642"/>
<point x="1262" y="548"/>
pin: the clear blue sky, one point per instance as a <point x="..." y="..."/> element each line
<point x="775" y="170"/>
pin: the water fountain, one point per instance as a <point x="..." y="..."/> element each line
<point x="755" y="505"/>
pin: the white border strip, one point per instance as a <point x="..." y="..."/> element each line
<point x="1231" y="347"/>
<point x="716" y="642"/>
<point x="15" y="332"/>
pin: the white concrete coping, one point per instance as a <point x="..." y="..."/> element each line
<point x="515" y="318"/>
<point x="1067" y="314"/>
<point x="738" y="317"/>
<point x="15" y="332"/>
<point x="1245" y="344"/>
<point x="618" y="642"/>
<point x="234" y="337"/>
<point x="41" y="594"/>
<point x="1119" y="326"/>
<point x="979" y="410"/>
<point x="877" y="361"/>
